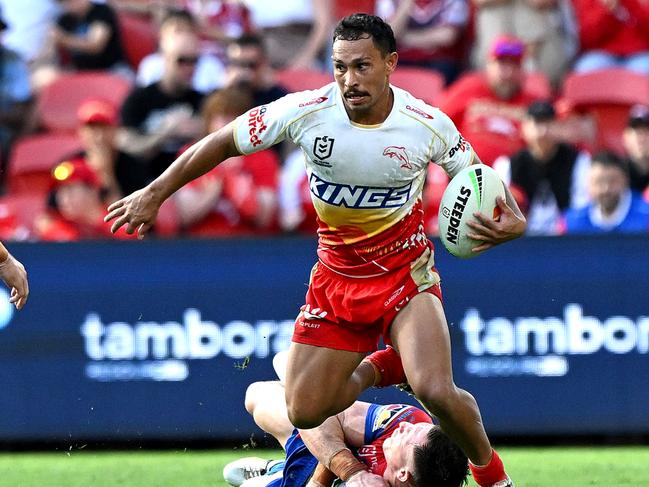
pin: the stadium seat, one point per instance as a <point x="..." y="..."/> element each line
<point x="22" y="209"/>
<point x="303" y="79"/>
<point x="167" y="223"/>
<point x="421" y="83"/>
<point x="538" y="84"/>
<point x="139" y="37"/>
<point x="59" y="101"/>
<point x="33" y="157"/>
<point x="607" y="95"/>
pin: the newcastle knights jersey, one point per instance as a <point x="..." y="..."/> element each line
<point x="363" y="179"/>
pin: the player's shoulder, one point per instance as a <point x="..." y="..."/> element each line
<point x="419" y="111"/>
<point x="305" y="102"/>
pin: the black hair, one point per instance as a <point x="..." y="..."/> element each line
<point x="610" y="159"/>
<point x="440" y="462"/>
<point x="361" y="26"/>
<point x="247" y="40"/>
<point x="179" y="14"/>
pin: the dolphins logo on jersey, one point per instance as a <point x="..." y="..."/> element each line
<point x="398" y="153"/>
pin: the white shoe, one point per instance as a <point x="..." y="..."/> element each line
<point x="237" y="472"/>
<point x="504" y="483"/>
<point x="262" y="481"/>
<point x="279" y="364"/>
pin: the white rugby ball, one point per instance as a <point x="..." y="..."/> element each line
<point x="473" y="189"/>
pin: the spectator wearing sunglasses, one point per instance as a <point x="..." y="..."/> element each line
<point x="159" y="119"/>
<point x="209" y="74"/>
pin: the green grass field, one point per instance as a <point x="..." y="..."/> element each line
<point x="530" y="467"/>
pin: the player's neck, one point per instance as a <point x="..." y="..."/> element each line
<point x="377" y="113"/>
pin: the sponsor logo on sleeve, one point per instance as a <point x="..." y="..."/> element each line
<point x="462" y="145"/>
<point x="315" y="101"/>
<point x="419" y="112"/>
<point x="398" y="153"/>
<point x="256" y="125"/>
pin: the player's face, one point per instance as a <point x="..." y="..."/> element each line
<point x="362" y="74"/>
<point x="399" y="450"/>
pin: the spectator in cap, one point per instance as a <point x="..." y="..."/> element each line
<point x="548" y="176"/>
<point x="119" y="173"/>
<point x="15" y="97"/>
<point x="76" y="208"/>
<point x="612" y="33"/>
<point x="547" y="27"/>
<point x="488" y="106"/>
<point x="614" y="206"/>
<point x="636" y="145"/>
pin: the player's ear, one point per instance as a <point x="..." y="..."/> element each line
<point x="404" y="475"/>
<point x="391" y="62"/>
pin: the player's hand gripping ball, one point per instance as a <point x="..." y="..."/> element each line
<point x="474" y="189"/>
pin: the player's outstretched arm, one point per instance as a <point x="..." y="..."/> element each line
<point x="139" y="210"/>
<point x="14" y="275"/>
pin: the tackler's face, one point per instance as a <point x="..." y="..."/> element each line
<point x="362" y="73"/>
<point x="399" y="450"/>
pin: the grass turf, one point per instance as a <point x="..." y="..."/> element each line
<point x="529" y="467"/>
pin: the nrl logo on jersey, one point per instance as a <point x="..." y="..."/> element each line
<point x="351" y="196"/>
<point x="322" y="149"/>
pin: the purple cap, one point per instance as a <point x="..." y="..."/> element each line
<point x="506" y="46"/>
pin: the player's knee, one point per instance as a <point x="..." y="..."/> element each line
<point x="437" y="397"/>
<point x="303" y="415"/>
<point x="254" y="393"/>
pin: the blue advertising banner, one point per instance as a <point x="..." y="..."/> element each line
<point x="158" y="340"/>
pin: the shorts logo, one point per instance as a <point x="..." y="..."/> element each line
<point x="313" y="314"/>
<point x="394" y="296"/>
<point x="358" y="196"/>
<point x="398" y="153"/>
<point x="462" y="145"/>
<point x="322" y="149"/>
<point x="256" y="125"/>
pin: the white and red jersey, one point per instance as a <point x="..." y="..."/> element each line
<point x="364" y="179"/>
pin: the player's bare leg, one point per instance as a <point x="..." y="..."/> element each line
<point x="266" y="404"/>
<point x="420" y="335"/>
<point x="321" y="382"/>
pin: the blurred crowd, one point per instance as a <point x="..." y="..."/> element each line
<point x="99" y="97"/>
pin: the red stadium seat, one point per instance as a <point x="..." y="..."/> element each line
<point x="59" y="101"/>
<point x="167" y="224"/>
<point x="139" y="37"/>
<point x="421" y="83"/>
<point x="303" y="79"/>
<point x="607" y="95"/>
<point x="538" y="84"/>
<point x="22" y="209"/>
<point x="33" y="157"/>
